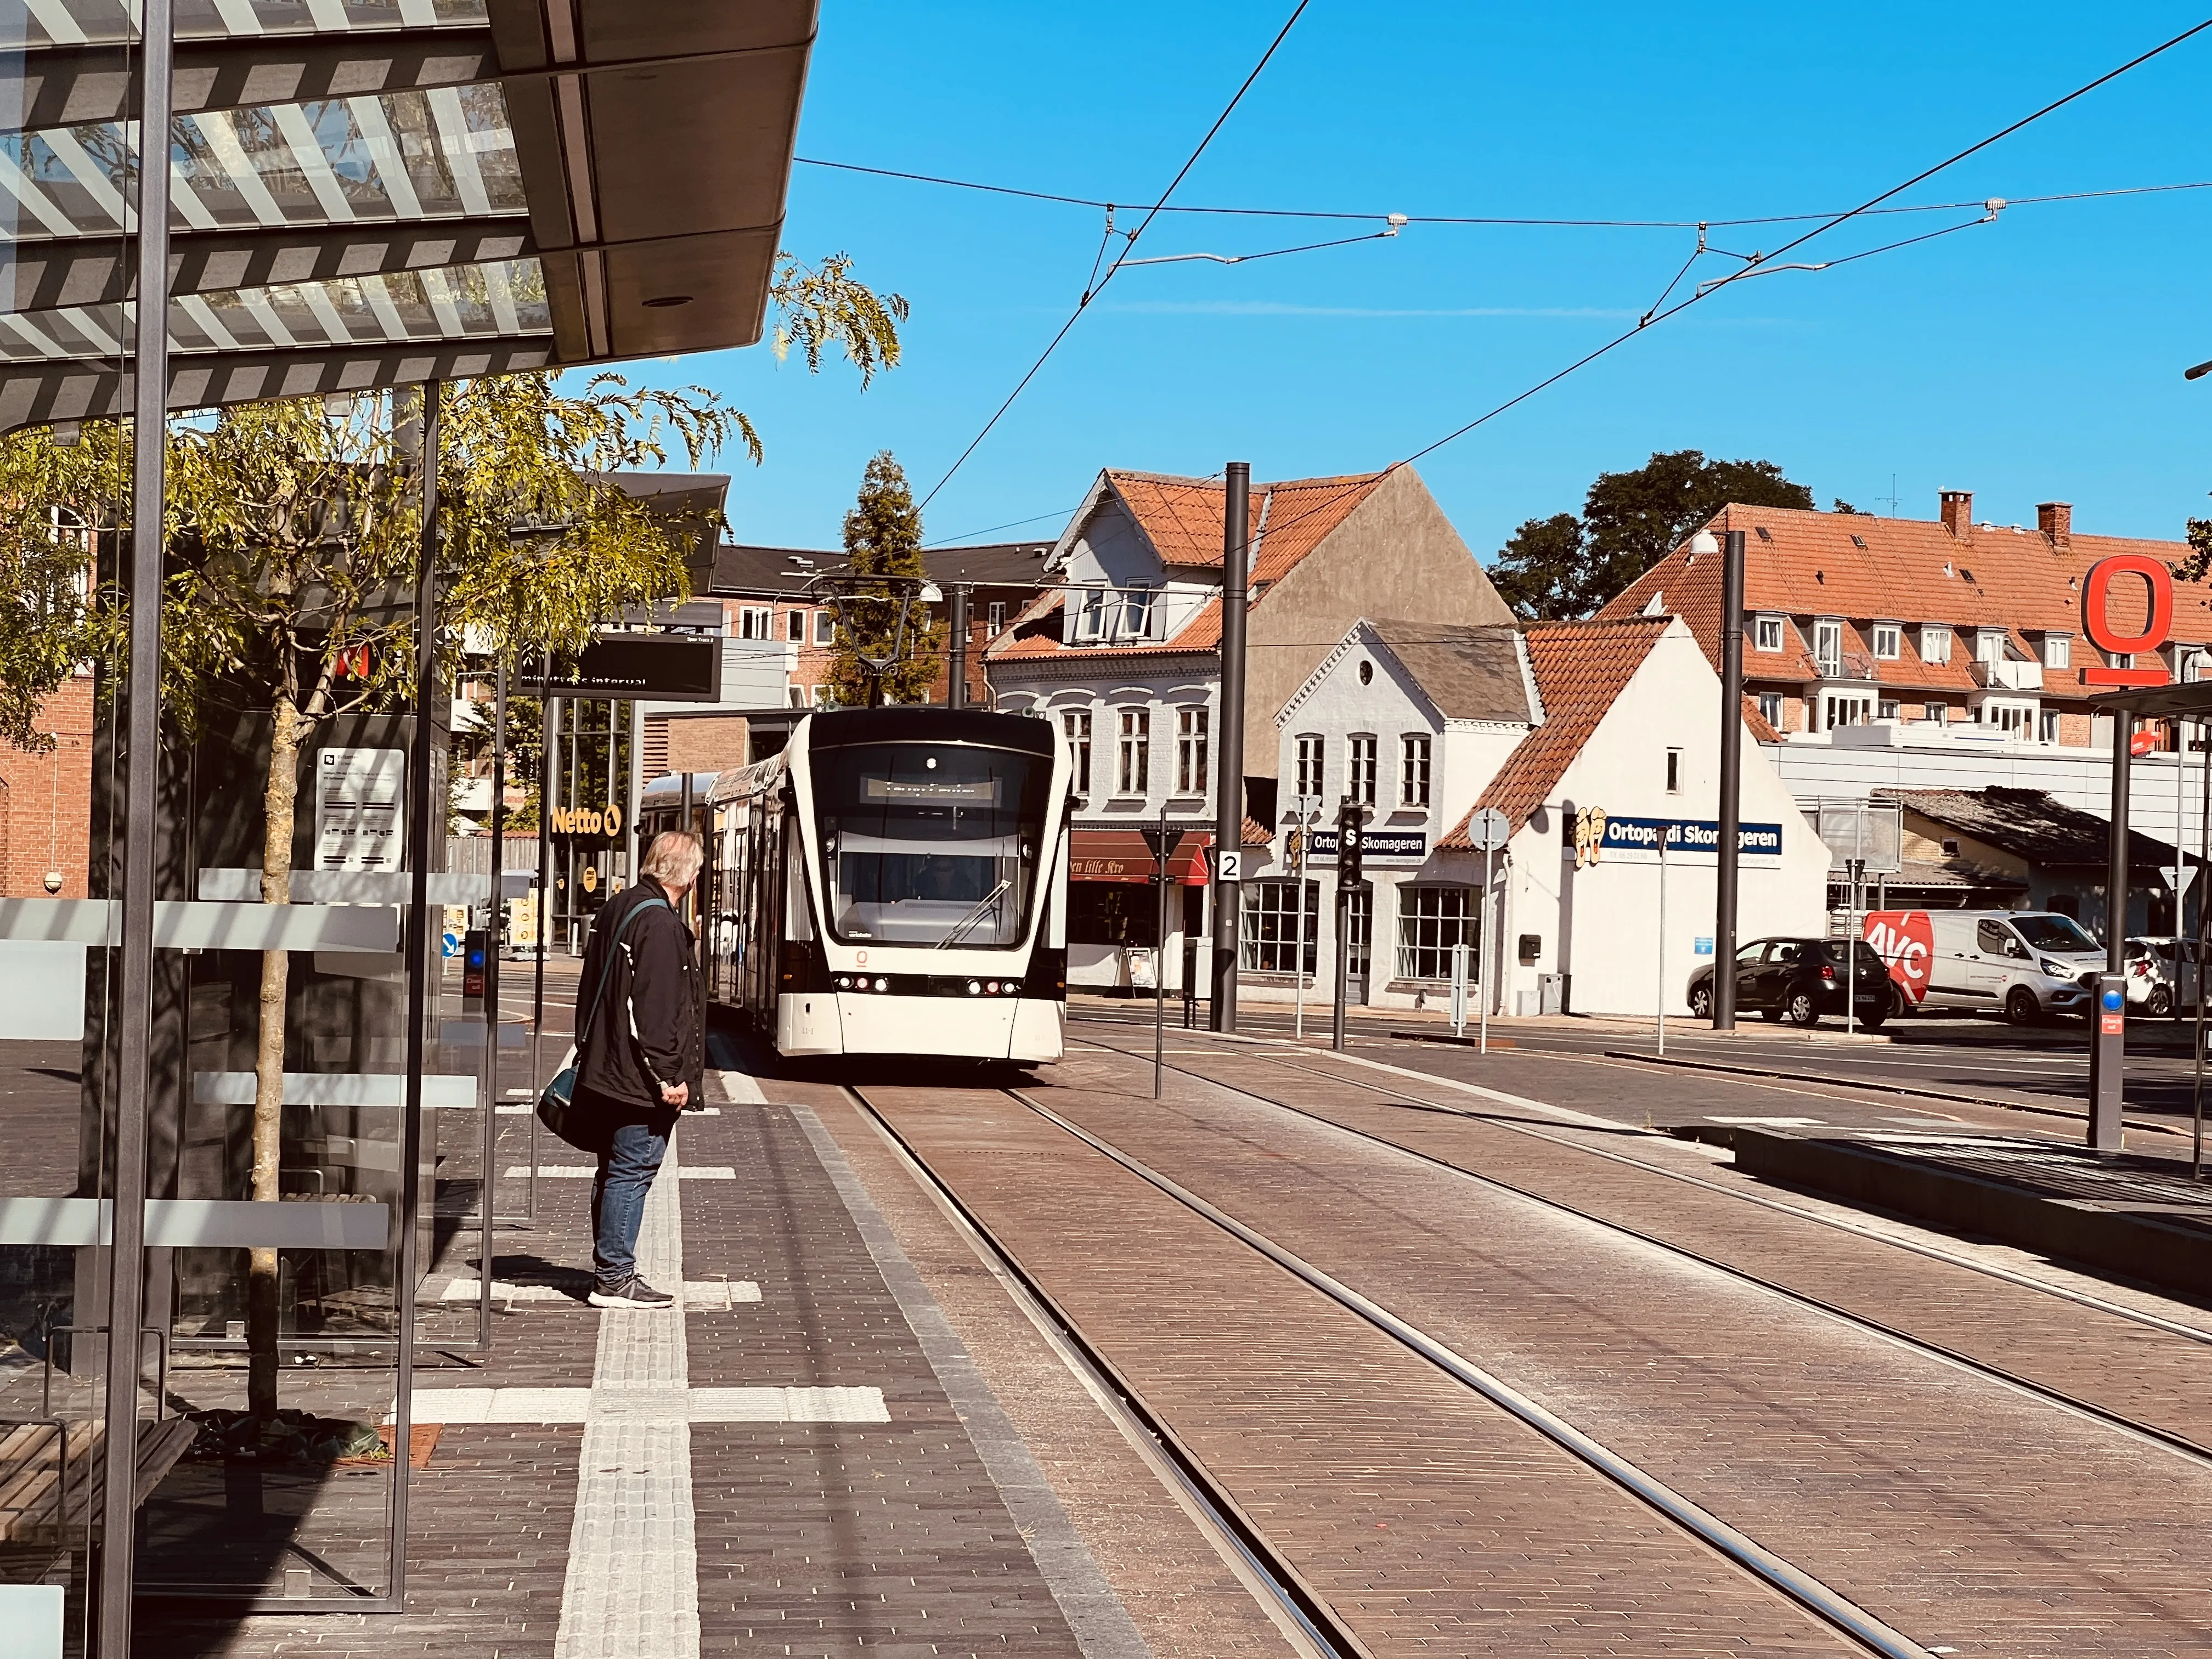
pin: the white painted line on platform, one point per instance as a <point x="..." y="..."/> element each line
<point x="742" y="1088"/>
<point x="1771" y="1122"/>
<point x="703" y="1294"/>
<point x="663" y="1404"/>
<point x="586" y="1171"/>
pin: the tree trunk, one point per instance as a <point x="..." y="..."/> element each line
<point x="262" y="1313"/>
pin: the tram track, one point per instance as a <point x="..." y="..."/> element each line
<point x="1396" y="1097"/>
<point x="2168" y="1439"/>
<point x="1857" y="1624"/>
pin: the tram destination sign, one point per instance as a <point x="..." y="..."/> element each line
<point x="655" y="667"/>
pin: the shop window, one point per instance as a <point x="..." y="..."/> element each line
<point x="1430" y="921"/>
<point x="1270" y="931"/>
<point x="1359" y="770"/>
<point x="1310" y="764"/>
<point x="1767" y="633"/>
<point x="1413" y="769"/>
<point x="1190" y="750"/>
<point x="1076" y="722"/>
<point x="1133" y="749"/>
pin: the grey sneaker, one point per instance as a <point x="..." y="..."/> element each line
<point x="634" y="1294"/>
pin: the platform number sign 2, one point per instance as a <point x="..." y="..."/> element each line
<point x="1228" y="864"/>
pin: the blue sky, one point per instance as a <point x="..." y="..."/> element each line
<point x="2038" y="357"/>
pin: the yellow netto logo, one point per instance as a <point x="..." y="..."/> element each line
<point x="587" y="820"/>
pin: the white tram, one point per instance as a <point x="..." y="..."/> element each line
<point x="901" y="878"/>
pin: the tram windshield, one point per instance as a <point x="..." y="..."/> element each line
<point x="932" y="844"/>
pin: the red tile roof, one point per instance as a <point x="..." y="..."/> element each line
<point x="1581" y="669"/>
<point x="1182" y="518"/>
<point x="1909" y="571"/>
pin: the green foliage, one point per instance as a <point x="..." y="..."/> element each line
<point x="823" y="306"/>
<point x="1840" y="505"/>
<point x="1564" y="567"/>
<point x="877" y="659"/>
<point x="2193" y="569"/>
<point x="47" y="621"/>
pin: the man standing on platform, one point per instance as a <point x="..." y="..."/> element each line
<point x="641" y="1053"/>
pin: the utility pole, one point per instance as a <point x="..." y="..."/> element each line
<point x="1229" y="769"/>
<point x="1731" y="812"/>
<point x="955" y="690"/>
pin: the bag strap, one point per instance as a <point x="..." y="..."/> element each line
<point x="607" y="969"/>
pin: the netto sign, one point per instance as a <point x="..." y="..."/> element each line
<point x="587" y="820"/>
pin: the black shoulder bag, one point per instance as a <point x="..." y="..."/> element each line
<point x="556" y="1102"/>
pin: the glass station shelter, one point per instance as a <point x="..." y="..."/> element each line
<point x="361" y="195"/>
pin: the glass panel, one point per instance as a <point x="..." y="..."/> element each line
<point x="501" y="299"/>
<point x="394" y="155"/>
<point x="70" y="22"/>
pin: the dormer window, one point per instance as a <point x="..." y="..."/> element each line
<point x="1767" y="633"/>
<point x="2057" y="651"/>
<point x="1888" y="641"/>
<point x="1090" y="622"/>
<point x="1828" y="645"/>
<point x="1935" y="642"/>
<point x="1989" y="645"/>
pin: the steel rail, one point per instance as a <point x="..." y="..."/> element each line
<point x="1799" y="1586"/>
<point x="1315" y="1627"/>
<point x="2042" y="1391"/>
<point x="1859" y="1230"/>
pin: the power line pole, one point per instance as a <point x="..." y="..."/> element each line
<point x="1229" y="775"/>
<point x="1731" y="812"/>
<point x="956" y="690"/>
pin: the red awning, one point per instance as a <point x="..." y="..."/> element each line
<point x="1123" y="855"/>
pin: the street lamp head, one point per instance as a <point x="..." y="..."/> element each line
<point x="2198" y="372"/>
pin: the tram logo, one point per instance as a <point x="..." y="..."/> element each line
<point x="587" y="820"/>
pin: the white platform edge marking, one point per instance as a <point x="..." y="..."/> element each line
<point x="586" y="1171"/>
<point x="700" y="1293"/>
<point x="651" y="1404"/>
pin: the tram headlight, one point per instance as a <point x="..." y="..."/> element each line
<point x="975" y="989"/>
<point x="844" y="982"/>
<point x="883" y="985"/>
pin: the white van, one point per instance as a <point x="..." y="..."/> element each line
<point x="2025" y="964"/>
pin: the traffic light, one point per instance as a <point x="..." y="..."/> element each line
<point x="1350" y="824"/>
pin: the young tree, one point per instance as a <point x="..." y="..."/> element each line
<point x="1562" y="567"/>
<point x="292" y="525"/>
<point x="887" y="643"/>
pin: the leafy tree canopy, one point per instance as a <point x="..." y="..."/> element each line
<point x="1569" y="567"/>
<point x="874" y="661"/>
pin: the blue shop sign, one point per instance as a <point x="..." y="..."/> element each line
<point x="1383" y="846"/>
<point x="1692" y="838"/>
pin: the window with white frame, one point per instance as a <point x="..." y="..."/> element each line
<point x="1076" y="722"/>
<point x="996" y="622"/>
<point x="1846" y="709"/>
<point x="1359" y="770"/>
<point x="2050" y="733"/>
<point x="825" y="696"/>
<point x="1413" y="769"/>
<point x="794" y="627"/>
<point x="1674" y="771"/>
<point x="1091" y="620"/>
<point x="1133" y="752"/>
<point x="1310" y="749"/>
<point x="1828" y="645"/>
<point x="825" y="628"/>
<point x="1885" y="708"/>
<point x="1137" y="611"/>
<point x="1190" y="750"/>
<point x="2014" y="720"/>
<point x="1935" y="642"/>
<point x="1767" y="633"/>
<point x="2057" y="651"/>
<point x="1935" y="709"/>
<point x="755" y="621"/>
<point x="1770" y="708"/>
<point x="1888" y="641"/>
<point x="1274" y="931"/>
<point x="801" y="695"/>
<point x="1989" y="646"/>
<point x="1430" y="921"/>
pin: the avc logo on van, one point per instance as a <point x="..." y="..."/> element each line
<point x="1905" y="939"/>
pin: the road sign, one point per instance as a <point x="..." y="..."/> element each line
<point x="2178" y="878"/>
<point x="1160" y="837"/>
<point x="1228" y="864"/>
<point x="1489" y="830"/>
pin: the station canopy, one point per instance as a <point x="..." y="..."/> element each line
<point x="370" y="193"/>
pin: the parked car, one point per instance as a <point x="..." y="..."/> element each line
<point x="2161" y="974"/>
<point x="1799" y="980"/>
<point x="2024" y="965"/>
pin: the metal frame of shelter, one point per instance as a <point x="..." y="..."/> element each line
<point x="361" y="194"/>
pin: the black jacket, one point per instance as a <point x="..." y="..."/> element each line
<point x="651" y="1027"/>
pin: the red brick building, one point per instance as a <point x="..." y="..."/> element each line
<point x="46" y="801"/>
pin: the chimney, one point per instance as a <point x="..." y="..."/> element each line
<point x="2056" y="520"/>
<point x="1958" y="514"/>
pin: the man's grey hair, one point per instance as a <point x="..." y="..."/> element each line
<point x="674" y="857"/>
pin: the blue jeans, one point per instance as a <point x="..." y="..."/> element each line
<point x="627" y="1168"/>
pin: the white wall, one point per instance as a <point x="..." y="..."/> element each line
<point x="1601" y="923"/>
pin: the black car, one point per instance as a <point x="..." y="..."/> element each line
<point x="1799" y="980"/>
